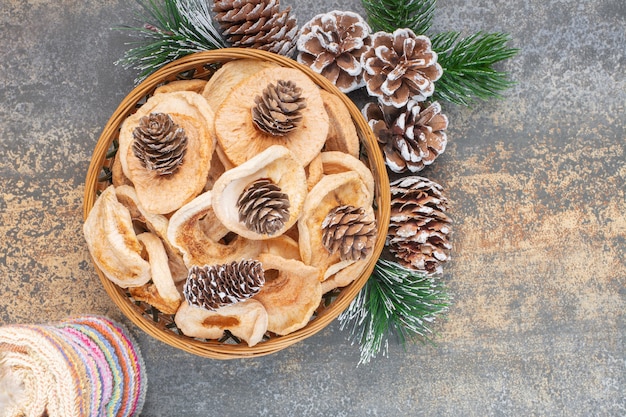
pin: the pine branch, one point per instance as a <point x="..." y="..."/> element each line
<point x="389" y="15"/>
<point x="467" y="63"/>
<point x="395" y="302"/>
<point x="169" y="31"/>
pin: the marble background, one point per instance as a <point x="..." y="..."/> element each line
<point x="536" y="183"/>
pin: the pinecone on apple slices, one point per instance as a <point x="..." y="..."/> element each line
<point x="349" y="231"/>
<point x="263" y="207"/>
<point x="278" y="108"/>
<point x="214" y="286"/>
<point x="159" y="143"/>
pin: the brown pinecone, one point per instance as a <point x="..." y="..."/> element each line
<point x="419" y="226"/>
<point x="400" y="66"/>
<point x="331" y="44"/>
<point x="277" y="110"/>
<point x="411" y="137"/>
<point x="214" y="286"/>
<point x="257" y="24"/>
<point x="263" y="207"/>
<point x="349" y="231"/>
<point x="159" y="143"/>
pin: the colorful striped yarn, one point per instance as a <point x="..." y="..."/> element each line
<point x="84" y="366"/>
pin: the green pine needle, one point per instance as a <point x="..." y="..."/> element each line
<point x="171" y="29"/>
<point x="395" y="301"/>
<point x="389" y="15"/>
<point x="467" y="63"/>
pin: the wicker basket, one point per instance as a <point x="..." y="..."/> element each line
<point x="162" y="326"/>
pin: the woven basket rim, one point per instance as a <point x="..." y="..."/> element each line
<point x="214" y="349"/>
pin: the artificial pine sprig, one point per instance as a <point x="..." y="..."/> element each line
<point x="467" y="63"/>
<point x="389" y="15"/>
<point x="171" y="29"/>
<point x="395" y="302"/>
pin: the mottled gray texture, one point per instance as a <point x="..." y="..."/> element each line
<point x="537" y="188"/>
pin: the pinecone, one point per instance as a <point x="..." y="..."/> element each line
<point x="350" y="231"/>
<point x="159" y="143"/>
<point x="277" y="110"/>
<point x="331" y="44"/>
<point x="411" y="137"/>
<point x="263" y="207"/>
<point x="400" y="66"/>
<point x="419" y="226"/>
<point x="257" y="24"/>
<point x="214" y="286"/>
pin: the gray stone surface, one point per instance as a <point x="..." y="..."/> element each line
<point x="537" y="188"/>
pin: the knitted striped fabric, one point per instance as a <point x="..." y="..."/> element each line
<point x="84" y="366"/>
